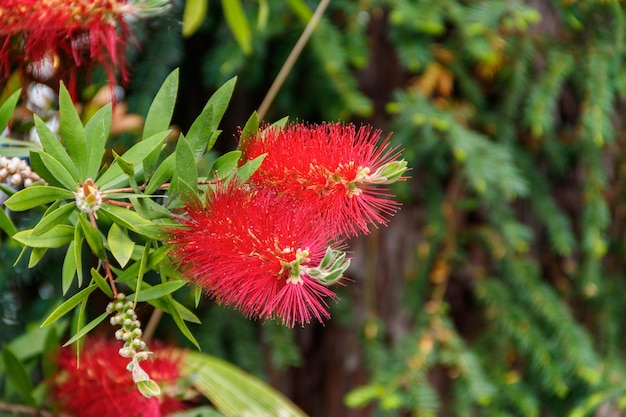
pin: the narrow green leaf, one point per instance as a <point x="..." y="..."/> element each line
<point x="226" y="164"/>
<point x="238" y="24"/>
<point x="87" y="328"/>
<point x="180" y="323"/>
<point x="123" y="217"/>
<point x="17" y="376"/>
<point x="6" y="224"/>
<point x="251" y="128"/>
<point x="54" y="217"/>
<point x="142" y="268"/>
<point x="53" y="146"/>
<point x="162" y="174"/>
<point x="102" y="283"/>
<point x="35" y="196"/>
<point x="149" y="209"/>
<point x="200" y="132"/>
<point x="68" y="305"/>
<point x="93" y="237"/>
<point x="245" y="171"/>
<point x="35" y="256"/>
<point x="219" y="101"/>
<point x="186" y="169"/>
<point x="69" y="268"/>
<point x="159" y="290"/>
<point x="79" y="237"/>
<point x="160" y="114"/>
<point x="135" y="155"/>
<point x="120" y="245"/>
<point x="156" y="230"/>
<point x="72" y="132"/>
<point x="54" y="238"/>
<point x="126" y="166"/>
<point x="193" y="16"/>
<point x="40" y="168"/>
<point x="7" y="109"/>
<point x="97" y="132"/>
<point x="58" y="171"/>
<point x="300" y="8"/>
<point x="197" y="294"/>
<point x="184" y="312"/>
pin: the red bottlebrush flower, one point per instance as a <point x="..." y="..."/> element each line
<point x="333" y="166"/>
<point x="258" y="251"/>
<point x="59" y="39"/>
<point x="98" y="383"/>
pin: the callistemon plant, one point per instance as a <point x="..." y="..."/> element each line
<point x="262" y="252"/>
<point x="337" y="167"/>
<point x="57" y="39"/>
<point x="95" y="383"/>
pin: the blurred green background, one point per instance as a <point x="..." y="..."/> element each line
<point x="498" y="289"/>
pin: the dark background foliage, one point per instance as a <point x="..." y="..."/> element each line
<point x="498" y="289"/>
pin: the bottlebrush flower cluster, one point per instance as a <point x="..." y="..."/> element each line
<point x="96" y="384"/>
<point x="57" y="39"/>
<point x="271" y="247"/>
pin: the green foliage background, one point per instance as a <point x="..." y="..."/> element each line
<point x="509" y="247"/>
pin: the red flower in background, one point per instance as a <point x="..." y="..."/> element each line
<point x="335" y="167"/>
<point x="99" y="385"/>
<point x="259" y="252"/>
<point x="61" y="39"/>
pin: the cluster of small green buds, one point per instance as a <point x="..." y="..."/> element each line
<point x="134" y="348"/>
<point x="328" y="272"/>
<point x="88" y="198"/>
<point x="17" y="172"/>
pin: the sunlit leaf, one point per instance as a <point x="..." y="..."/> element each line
<point x="120" y="245"/>
<point x="102" y="283"/>
<point x="93" y="237"/>
<point x="7" y="108"/>
<point x="69" y="268"/>
<point x="97" y="133"/>
<point x="35" y="196"/>
<point x="57" y="170"/>
<point x="226" y="164"/>
<point x="53" y="238"/>
<point x="53" y="146"/>
<point x="87" y="328"/>
<point x="72" y="132"/>
<point x="53" y="217"/>
<point x="159" y="290"/>
<point x="68" y="305"/>
<point x="238" y="24"/>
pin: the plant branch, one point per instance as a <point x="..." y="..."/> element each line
<point x="291" y="59"/>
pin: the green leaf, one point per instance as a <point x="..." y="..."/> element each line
<point x="102" y="283"/>
<point x="226" y="164"/>
<point x="17" y="376"/>
<point x="93" y="237"/>
<point x="97" y="133"/>
<point x="162" y="174"/>
<point x="120" y="245"/>
<point x="149" y="209"/>
<point x="245" y="171"/>
<point x="69" y="268"/>
<point x="35" y="196"/>
<point x="35" y="256"/>
<point x="7" y="109"/>
<point x="219" y="101"/>
<point x="232" y="391"/>
<point x="39" y="167"/>
<point x="68" y="305"/>
<point x="126" y="166"/>
<point x="300" y="8"/>
<point x="79" y="237"/>
<point x="72" y="132"/>
<point x="57" y="169"/>
<point x="159" y="290"/>
<point x="251" y="128"/>
<point x="6" y="224"/>
<point x="55" y="215"/>
<point x="180" y="323"/>
<point x="193" y="16"/>
<point x="135" y="155"/>
<point x="160" y="114"/>
<point x="87" y="328"/>
<point x="238" y="24"/>
<point x="186" y="169"/>
<point x="200" y="132"/>
<point x="54" y="238"/>
<point x="128" y="219"/>
<point x="53" y="146"/>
